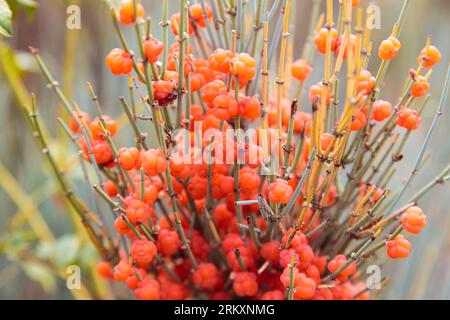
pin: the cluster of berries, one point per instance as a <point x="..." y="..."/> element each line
<point x="173" y="255"/>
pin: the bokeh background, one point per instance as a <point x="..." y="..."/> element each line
<point x="39" y="237"/>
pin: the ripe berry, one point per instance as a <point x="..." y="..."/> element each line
<point x="222" y="216"/>
<point x="168" y="242"/>
<point x="270" y="251"/>
<point x="220" y="60"/>
<point x="97" y="131"/>
<point x="100" y="148"/>
<point x="153" y="162"/>
<point x="249" y="180"/>
<point x="321" y="40"/>
<point x="206" y="276"/>
<point x="129" y="158"/>
<point x="408" y="118"/>
<point x="143" y="252"/>
<point x="420" y="86"/>
<point x="149" y="289"/>
<point x="429" y="57"/>
<point x="197" y="14"/>
<point x="381" y="110"/>
<point x="280" y="191"/>
<point x="316" y="90"/>
<point x="301" y="69"/>
<point x="245" y="284"/>
<point x="175" y="24"/>
<point x="153" y="48"/>
<point x="305" y="287"/>
<point x="272" y="295"/>
<point x="127" y="14"/>
<point x="389" y="48"/>
<point x="398" y="248"/>
<point x="337" y="262"/>
<point x="225" y="107"/>
<point x="359" y="120"/>
<point x="105" y="270"/>
<point x="164" y="92"/>
<point x="211" y="90"/>
<point x="243" y="66"/>
<point x="413" y="220"/>
<point x="137" y="211"/>
<point x="325" y="140"/>
<point x="249" y="108"/>
<point x="122" y="270"/>
<point x="110" y="188"/>
<point x="365" y="82"/>
<point x="81" y="117"/>
<point x="119" y="61"/>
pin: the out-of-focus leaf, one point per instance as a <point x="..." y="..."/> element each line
<point x="41" y="274"/>
<point x="66" y="250"/>
<point x="5" y="19"/>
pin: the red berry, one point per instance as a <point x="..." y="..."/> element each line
<point x="153" y="48"/>
<point x="153" y="162"/>
<point x="337" y="262"/>
<point x="119" y="61"/>
<point x="245" y="284"/>
<point x="305" y="287"/>
<point x="280" y="191"/>
<point x="168" y="242"/>
<point x="143" y="252"/>
<point x="206" y="276"/>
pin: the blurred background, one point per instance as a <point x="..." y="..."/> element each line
<point x="39" y="238"/>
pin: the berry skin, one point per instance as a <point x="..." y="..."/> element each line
<point x="168" y="242"/>
<point x="220" y="60"/>
<point x="243" y="66"/>
<point x="365" y="82"/>
<point x="122" y="271"/>
<point x="270" y="251"/>
<point x="249" y="180"/>
<point x="119" y="61"/>
<point x="127" y="14"/>
<point x="137" y="211"/>
<point x="408" y="119"/>
<point x="153" y="162"/>
<point x="211" y="90"/>
<point x="305" y="287"/>
<point x="272" y="295"/>
<point x="301" y="69"/>
<point x="325" y="140"/>
<point x="197" y="14"/>
<point x="420" y="86"/>
<point x="337" y="262"/>
<point x="359" y="120"/>
<point x="81" y="117"/>
<point x="110" y="188"/>
<point x="164" y="92"/>
<point x="105" y="270"/>
<point x="245" y="284"/>
<point x="413" y="220"/>
<point x="389" y="48"/>
<point x="129" y="158"/>
<point x="225" y="107"/>
<point x="429" y="57"/>
<point x="321" y="40"/>
<point x="206" y="276"/>
<point x="143" y="252"/>
<point x="149" y="289"/>
<point x="398" y="248"/>
<point x="96" y="129"/>
<point x="100" y="148"/>
<point x="280" y="191"/>
<point x="381" y="110"/>
<point x="249" y="108"/>
<point x="153" y="48"/>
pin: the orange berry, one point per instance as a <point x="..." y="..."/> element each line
<point x="398" y="248"/>
<point x="153" y="48"/>
<point x="220" y="60"/>
<point x="164" y="92"/>
<point x="119" y="61"/>
<point x="129" y="158"/>
<point x="225" y="107"/>
<point x="249" y="108"/>
<point x="420" y="86"/>
<point x="413" y="220"/>
<point x="359" y="120"/>
<point x="127" y="14"/>
<point x="381" y="110"/>
<point x="206" y="276"/>
<point x="110" y="188"/>
<point x="355" y="3"/>
<point x="110" y="126"/>
<point x="365" y="82"/>
<point x="249" y="180"/>
<point x="337" y="262"/>
<point x="280" y="191"/>
<point x="197" y="14"/>
<point x="305" y="287"/>
<point x="122" y="271"/>
<point x="245" y="284"/>
<point x="175" y="24"/>
<point x="303" y="123"/>
<point x="100" y="149"/>
<point x="211" y="90"/>
<point x="316" y="90"/>
<point x="243" y="66"/>
<point x="301" y="69"/>
<point x="389" y="48"/>
<point x="153" y="162"/>
<point x="325" y="140"/>
<point x="321" y="40"/>
<point x="272" y="295"/>
<point x="270" y="251"/>
<point x="408" y="119"/>
<point x="105" y="270"/>
<point x="137" y="211"/>
<point x="429" y="57"/>
<point x="148" y="289"/>
<point x="81" y="117"/>
<point x="143" y="252"/>
<point x="168" y="242"/>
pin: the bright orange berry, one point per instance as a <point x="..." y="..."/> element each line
<point x="245" y="284"/>
<point x="408" y="119"/>
<point x="168" y="242"/>
<point x="220" y="60"/>
<point x="429" y="57"/>
<point x="127" y="14"/>
<point x="153" y="48"/>
<point x="381" y="110"/>
<point x="198" y="15"/>
<point x="301" y="69"/>
<point x="321" y="40"/>
<point x="243" y="66"/>
<point x="337" y="262"/>
<point x="225" y="107"/>
<point x="129" y="158"/>
<point x="359" y="120"/>
<point x="119" y="61"/>
<point x="389" y="48"/>
<point x="143" y="252"/>
<point x="420" y="86"/>
<point x="413" y="220"/>
<point x="398" y="248"/>
<point x="280" y="191"/>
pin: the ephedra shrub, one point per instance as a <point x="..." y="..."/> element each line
<point x="297" y="206"/>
